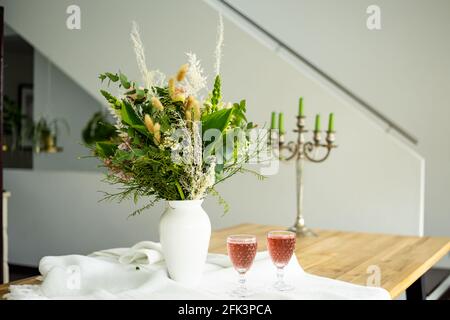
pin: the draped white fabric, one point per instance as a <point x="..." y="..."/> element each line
<point x="140" y="273"/>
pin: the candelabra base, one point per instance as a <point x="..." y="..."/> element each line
<point x="302" y="231"/>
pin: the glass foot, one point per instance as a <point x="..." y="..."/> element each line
<point x="241" y="293"/>
<point x="282" y="286"/>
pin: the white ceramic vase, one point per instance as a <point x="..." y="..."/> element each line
<point x="184" y="231"/>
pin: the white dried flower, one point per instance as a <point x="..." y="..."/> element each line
<point x="219" y="44"/>
<point x="140" y="55"/>
<point x="195" y="79"/>
<point x="123" y="146"/>
<point x="157" y="78"/>
<point x="150" y="78"/>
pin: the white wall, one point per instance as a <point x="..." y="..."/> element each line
<point x="403" y="69"/>
<point x="372" y="182"/>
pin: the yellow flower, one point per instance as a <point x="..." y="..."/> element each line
<point x="178" y="97"/>
<point x="193" y="105"/>
<point x="197" y="113"/>
<point x="176" y="94"/>
<point x="188" y="115"/>
<point x="171" y="86"/>
<point x="182" y="72"/>
<point x="190" y="102"/>
<point x="157" y="133"/>
<point x="157" y="104"/>
<point x="149" y="123"/>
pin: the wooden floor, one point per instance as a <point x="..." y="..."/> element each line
<point x="348" y="256"/>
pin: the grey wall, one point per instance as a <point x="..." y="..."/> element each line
<point x="58" y="96"/>
<point x="372" y="182"/>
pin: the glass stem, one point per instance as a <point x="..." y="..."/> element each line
<point x="242" y="285"/>
<point x="280" y="275"/>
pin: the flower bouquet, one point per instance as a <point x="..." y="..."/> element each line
<point x="176" y="141"/>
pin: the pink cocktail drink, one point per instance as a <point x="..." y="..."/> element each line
<point x="242" y="255"/>
<point x="281" y="246"/>
<point x="242" y="252"/>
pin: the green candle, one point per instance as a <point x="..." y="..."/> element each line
<point x="331" y="123"/>
<point x="281" y="123"/>
<point x="300" y="107"/>
<point x="317" y="126"/>
<point x="273" y="123"/>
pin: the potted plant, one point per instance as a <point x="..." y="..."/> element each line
<point x="176" y="142"/>
<point x="46" y="133"/>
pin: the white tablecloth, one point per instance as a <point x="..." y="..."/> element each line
<point x="104" y="275"/>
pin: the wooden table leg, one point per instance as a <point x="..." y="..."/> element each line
<point x="416" y="291"/>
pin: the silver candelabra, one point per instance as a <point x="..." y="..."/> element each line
<point x="302" y="150"/>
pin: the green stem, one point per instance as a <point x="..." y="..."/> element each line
<point x="180" y="191"/>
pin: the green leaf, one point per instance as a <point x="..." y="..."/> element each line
<point x="136" y="139"/>
<point x="139" y="152"/>
<point x="140" y="93"/>
<point x="180" y="190"/>
<point x="217" y="120"/>
<point x="239" y="118"/>
<point x="109" y="97"/>
<point x="124" y="81"/>
<point x="111" y="77"/>
<point x="142" y="129"/>
<point x="250" y="125"/>
<point x="129" y="116"/>
<point x="219" y="168"/>
<point x="122" y="155"/>
<point x="105" y="149"/>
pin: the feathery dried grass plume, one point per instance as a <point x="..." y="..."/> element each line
<point x="158" y="78"/>
<point x="176" y="93"/>
<point x="139" y="51"/>
<point x="149" y="123"/>
<point x="195" y="80"/>
<point x="190" y="102"/>
<point x="197" y="112"/>
<point x="156" y="103"/>
<point x="157" y="133"/>
<point x="171" y="87"/>
<point x="219" y="44"/>
<point x="188" y="116"/>
<point x="182" y="72"/>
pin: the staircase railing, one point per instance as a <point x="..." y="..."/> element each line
<point x="391" y="125"/>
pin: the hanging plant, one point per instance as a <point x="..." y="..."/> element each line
<point x="46" y="133"/>
<point x="98" y="128"/>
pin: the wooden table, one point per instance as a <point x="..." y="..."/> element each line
<point x="350" y="256"/>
